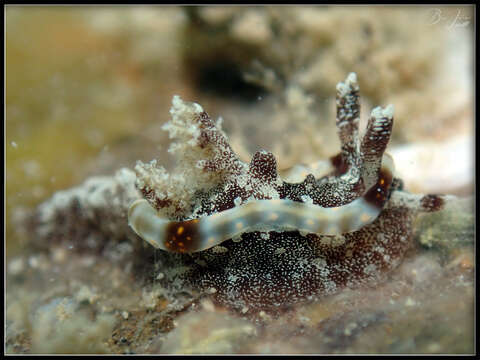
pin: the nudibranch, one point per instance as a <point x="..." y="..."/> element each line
<point x="261" y="241"/>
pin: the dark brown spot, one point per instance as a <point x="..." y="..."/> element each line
<point x="378" y="194"/>
<point x="432" y="202"/>
<point x="182" y="236"/>
<point x="339" y="164"/>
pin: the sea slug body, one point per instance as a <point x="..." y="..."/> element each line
<point x="266" y="243"/>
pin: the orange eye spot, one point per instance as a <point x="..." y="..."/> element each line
<point x="382" y="181"/>
<point x="180" y="230"/>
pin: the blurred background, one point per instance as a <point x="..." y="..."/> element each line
<point x="88" y="88"/>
